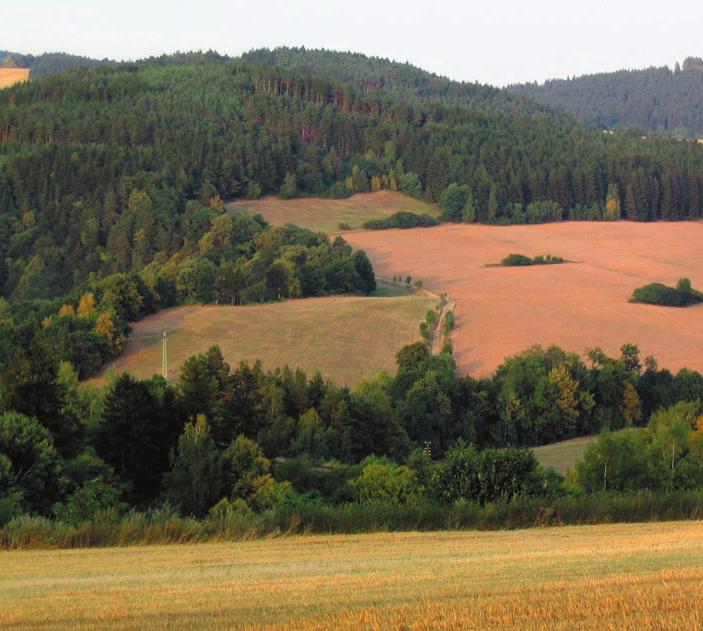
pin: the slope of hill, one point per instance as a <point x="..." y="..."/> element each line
<point x="48" y="64"/>
<point x="502" y="310"/>
<point x="654" y="100"/>
<point x="400" y="80"/>
<point x="346" y="338"/>
<point x="75" y="146"/>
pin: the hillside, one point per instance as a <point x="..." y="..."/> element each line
<point x="398" y="80"/>
<point x="186" y="129"/>
<point x="48" y="64"/>
<point x="346" y="338"/>
<point x="653" y="100"/>
<point x="502" y="310"/>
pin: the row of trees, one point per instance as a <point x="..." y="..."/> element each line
<point x="230" y="436"/>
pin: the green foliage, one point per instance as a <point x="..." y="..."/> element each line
<point x="657" y="294"/>
<point x="29" y="464"/>
<point x="654" y="100"/>
<point x="520" y="260"/>
<point x="387" y="484"/>
<point x="196" y="479"/>
<point x="402" y="220"/>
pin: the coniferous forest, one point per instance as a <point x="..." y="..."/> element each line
<point x="654" y="101"/>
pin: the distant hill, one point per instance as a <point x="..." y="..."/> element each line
<point x="654" y="100"/>
<point x="48" y="63"/>
<point x="399" y="80"/>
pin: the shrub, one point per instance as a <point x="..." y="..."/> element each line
<point x="402" y="220"/>
<point x="518" y="260"/>
<point x="658" y="294"/>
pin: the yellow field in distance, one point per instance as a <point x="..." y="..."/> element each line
<point x="10" y="76"/>
<point x="346" y="338"/>
<point x="325" y="215"/>
<point x="624" y="576"/>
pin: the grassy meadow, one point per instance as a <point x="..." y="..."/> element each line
<point x="625" y="576"/>
<point x="563" y="455"/>
<point x="325" y="215"/>
<point x="346" y="338"/>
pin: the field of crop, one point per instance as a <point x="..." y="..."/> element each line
<point x="563" y="455"/>
<point x="10" y="76"/>
<point x="502" y="310"/>
<point x="626" y="576"/>
<point x="325" y="215"/>
<point x="346" y="338"/>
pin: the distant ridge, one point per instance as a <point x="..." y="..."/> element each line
<point x="654" y="100"/>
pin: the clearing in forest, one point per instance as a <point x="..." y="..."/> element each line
<point x="501" y="311"/>
<point x="622" y="576"/>
<point x="10" y="76"/>
<point x="563" y="455"/>
<point x="346" y="338"/>
<point x="325" y="215"/>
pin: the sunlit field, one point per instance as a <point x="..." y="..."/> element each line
<point x="346" y="338"/>
<point x="10" y="76"/>
<point x="325" y="215"/>
<point x="501" y="311"/>
<point x="629" y="576"/>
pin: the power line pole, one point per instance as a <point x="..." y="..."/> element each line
<point x="164" y="355"/>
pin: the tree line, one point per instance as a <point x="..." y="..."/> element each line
<point x="243" y="440"/>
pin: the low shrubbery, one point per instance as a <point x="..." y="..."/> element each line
<point x="682" y="295"/>
<point x="402" y="220"/>
<point x="166" y="526"/>
<point x="520" y="260"/>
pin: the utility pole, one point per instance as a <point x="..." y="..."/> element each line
<point x="164" y="355"/>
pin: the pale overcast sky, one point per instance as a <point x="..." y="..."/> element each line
<point x="496" y="41"/>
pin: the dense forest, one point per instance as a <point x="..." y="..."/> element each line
<point x="48" y="63"/>
<point x="75" y="147"/>
<point x="654" y="100"/>
<point x="241" y="443"/>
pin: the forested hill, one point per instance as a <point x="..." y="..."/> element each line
<point x="48" y="63"/>
<point x="400" y="80"/>
<point x="77" y="149"/>
<point x="655" y="100"/>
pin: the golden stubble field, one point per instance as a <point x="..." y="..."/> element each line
<point x="325" y="215"/>
<point x="10" y="76"/>
<point x="618" y="577"/>
<point x="501" y="311"/>
<point x="346" y="338"/>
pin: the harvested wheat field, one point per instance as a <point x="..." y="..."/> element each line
<point x="10" y="76"/>
<point x="502" y="310"/>
<point x="625" y="576"/>
<point x="346" y="338"/>
<point x="325" y="215"/>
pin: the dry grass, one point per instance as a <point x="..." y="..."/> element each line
<point x="324" y="215"/>
<point x="346" y="338"/>
<point x="563" y="455"/>
<point x="502" y="310"/>
<point x="627" y="576"/>
<point x="10" y="76"/>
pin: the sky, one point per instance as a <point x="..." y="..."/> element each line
<point x="494" y="41"/>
